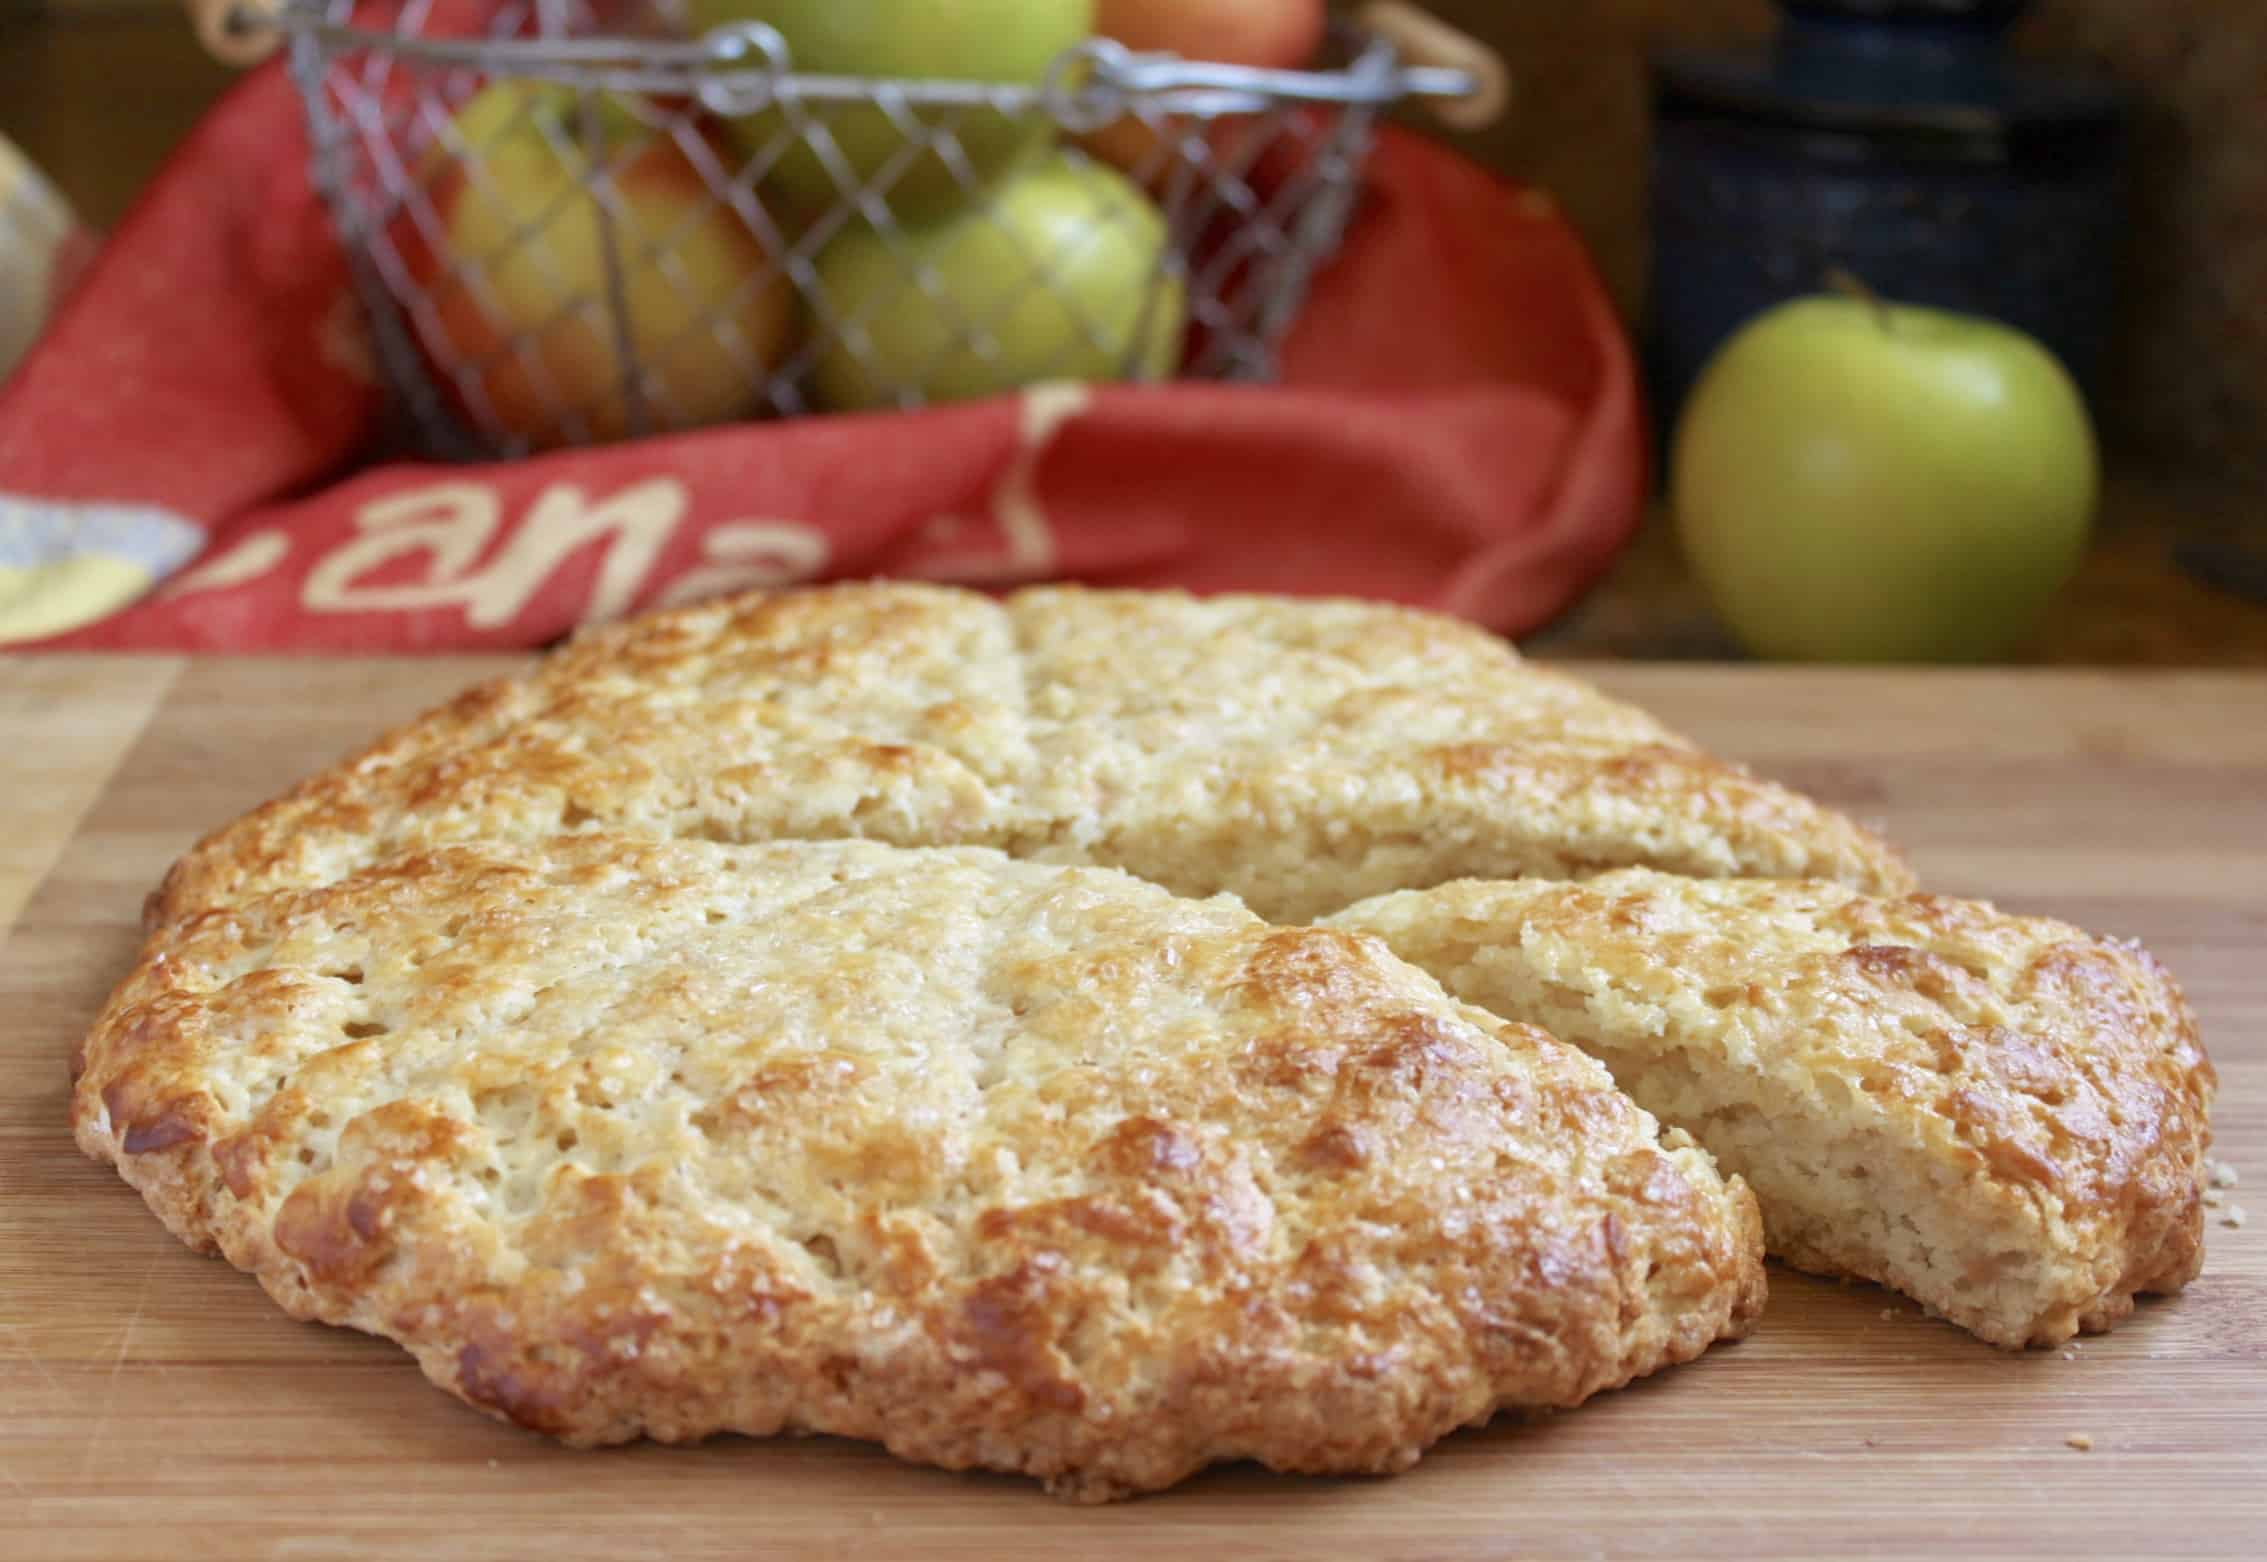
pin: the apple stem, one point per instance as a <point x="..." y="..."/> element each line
<point x="1850" y="285"/>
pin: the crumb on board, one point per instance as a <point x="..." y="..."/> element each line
<point x="2232" y="1215"/>
<point x="2080" y="1441"/>
<point x="2070" y="1355"/>
<point x="2213" y="1200"/>
<point x="1888" y="1314"/>
<point x="2220" y="1174"/>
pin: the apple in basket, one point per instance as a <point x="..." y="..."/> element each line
<point x="1064" y="273"/>
<point x="519" y="319"/>
<point x="1277" y="34"/>
<point x="1269" y="34"/>
<point x="818" y="151"/>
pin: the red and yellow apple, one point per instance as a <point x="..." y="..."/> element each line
<point x="1013" y="42"/>
<point x="521" y="322"/>
<point x="1859" y="481"/>
<point x="1064" y="274"/>
<point x="1277" y="34"/>
<point x="1269" y="34"/>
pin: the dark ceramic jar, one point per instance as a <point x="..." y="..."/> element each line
<point x="1900" y="140"/>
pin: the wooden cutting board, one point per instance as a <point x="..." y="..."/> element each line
<point x="153" y="1404"/>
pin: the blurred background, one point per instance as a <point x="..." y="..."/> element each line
<point x="96" y="92"/>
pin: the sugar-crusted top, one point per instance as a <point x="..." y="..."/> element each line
<point x="1007" y="1164"/>
<point x="1302" y="754"/>
<point x="2021" y="1053"/>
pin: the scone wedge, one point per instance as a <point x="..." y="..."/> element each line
<point x="2003" y="1117"/>
<point x="1300" y="754"/>
<point x="1001" y="1164"/>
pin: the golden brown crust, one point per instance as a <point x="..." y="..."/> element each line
<point x="1302" y="754"/>
<point x="2003" y="1116"/>
<point x="1001" y="1164"/>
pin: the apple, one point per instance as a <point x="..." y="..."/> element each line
<point x="1855" y="480"/>
<point x="1275" y="34"/>
<point x="518" y="280"/>
<point x="1270" y="34"/>
<point x="1063" y="274"/>
<point x="1007" y="41"/>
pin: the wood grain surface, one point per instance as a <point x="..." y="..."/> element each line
<point x="153" y="1404"/>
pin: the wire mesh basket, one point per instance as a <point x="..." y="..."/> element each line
<point x="578" y="220"/>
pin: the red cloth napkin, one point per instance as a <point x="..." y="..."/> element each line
<point x="1457" y="427"/>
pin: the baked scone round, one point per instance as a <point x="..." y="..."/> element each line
<point x="998" y="1163"/>
<point x="2003" y="1117"/>
<point x="1302" y="754"/>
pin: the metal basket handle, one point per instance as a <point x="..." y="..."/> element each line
<point x="1422" y="38"/>
<point x="236" y="32"/>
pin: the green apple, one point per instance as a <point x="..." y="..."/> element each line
<point x="1063" y="274"/>
<point x="1856" y="480"/>
<point x="1005" y="41"/>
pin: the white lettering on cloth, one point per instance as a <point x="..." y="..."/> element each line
<point x="1027" y="538"/>
<point x="454" y="525"/>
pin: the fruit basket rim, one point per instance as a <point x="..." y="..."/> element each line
<point x="740" y="66"/>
